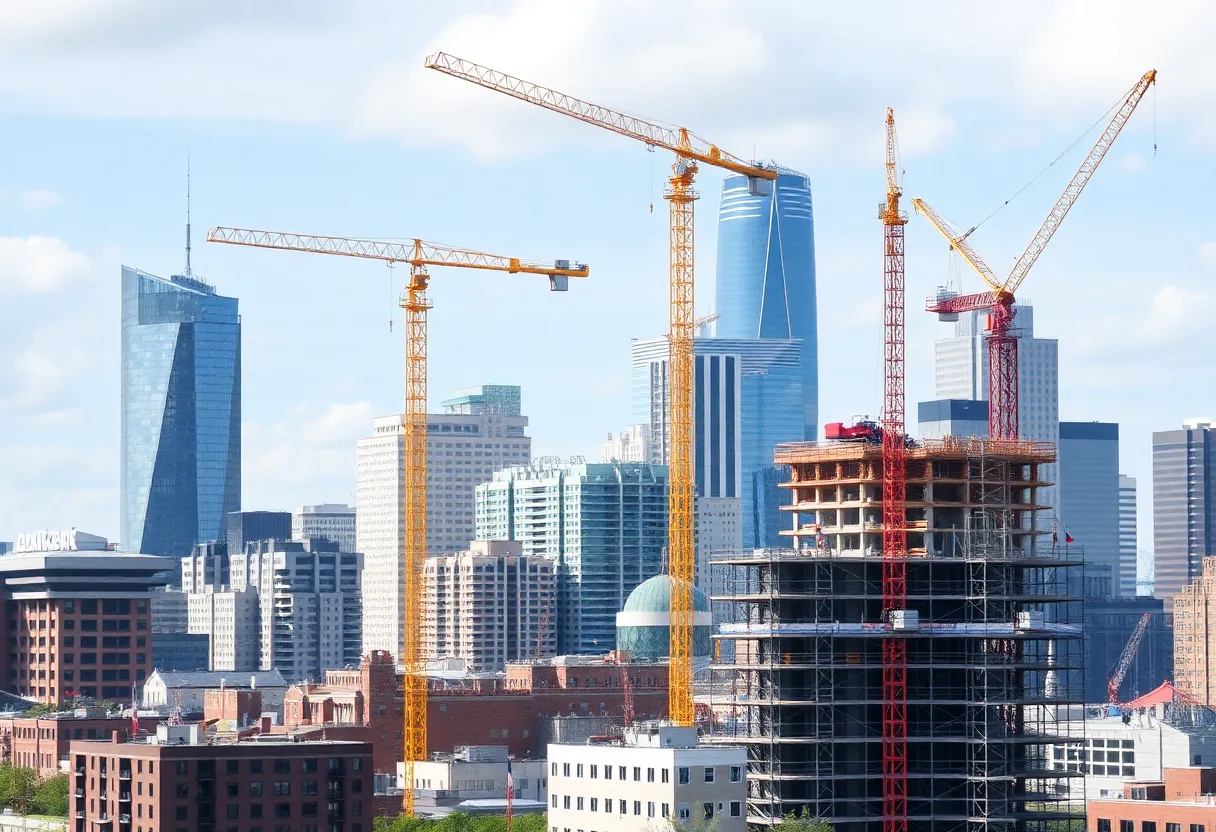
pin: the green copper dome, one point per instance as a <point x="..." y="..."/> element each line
<point x="654" y="595"/>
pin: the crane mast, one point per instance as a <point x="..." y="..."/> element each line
<point x="1001" y="336"/>
<point x="1124" y="664"/>
<point x="894" y="494"/>
<point x="690" y="151"/>
<point x="418" y="254"/>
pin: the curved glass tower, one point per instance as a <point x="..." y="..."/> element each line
<point x="181" y="413"/>
<point x="766" y="273"/>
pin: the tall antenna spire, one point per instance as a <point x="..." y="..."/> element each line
<point x="187" y="213"/>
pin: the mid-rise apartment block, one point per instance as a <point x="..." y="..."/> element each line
<point x="332" y="521"/>
<point x="1184" y="531"/>
<point x="604" y="525"/>
<point x="310" y="607"/>
<point x="479" y="432"/>
<point x="490" y="605"/>
<point x="227" y="615"/>
<point x="652" y="776"/>
<point x="630" y="445"/>
<point x="181" y="779"/>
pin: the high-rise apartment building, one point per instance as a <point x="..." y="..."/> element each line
<point x="1194" y="607"/>
<point x="630" y="445"/>
<point x="604" y="525"/>
<point x="1184" y="485"/>
<point x="1128" y="538"/>
<point x="1087" y="494"/>
<point x="332" y="521"/>
<point x="181" y="412"/>
<point x="481" y="433"/>
<point x="766" y="275"/>
<point x="228" y="616"/>
<point x="244" y="527"/>
<point x="746" y="401"/>
<point x="961" y="372"/>
<point x="310" y="605"/>
<point x="490" y="605"/>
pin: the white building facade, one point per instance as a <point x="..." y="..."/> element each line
<point x="655" y="777"/>
<point x="229" y="616"/>
<point x="961" y="372"/>
<point x="332" y="521"/>
<point x="480" y="433"/>
<point x="477" y="772"/>
<point x="489" y="606"/>
<point x="630" y="445"/>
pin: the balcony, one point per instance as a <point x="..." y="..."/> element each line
<point x="124" y="797"/>
<point x="124" y="818"/>
<point x="80" y="793"/>
<point x="125" y="774"/>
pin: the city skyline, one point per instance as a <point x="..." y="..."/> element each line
<point x="81" y="194"/>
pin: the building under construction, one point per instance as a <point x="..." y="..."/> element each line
<point x="993" y="643"/>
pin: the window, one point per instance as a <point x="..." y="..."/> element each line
<point x="650" y="809"/>
<point x="708" y="809"/>
<point x="183" y="790"/>
<point x="255" y="810"/>
<point x="709" y="774"/>
<point x="255" y="788"/>
<point x="565" y="801"/>
<point x="595" y="804"/>
<point x="183" y="767"/>
<point x="579" y="770"/>
<point x="1195" y="827"/>
<point x="1173" y="827"/>
<point x="565" y="769"/>
<point x="282" y="787"/>
<point x="308" y="787"/>
<point x="1127" y="826"/>
<point x="637" y="774"/>
<point x="310" y="766"/>
<point x="650" y="777"/>
<point x="579" y="804"/>
<point x="736" y="808"/>
<point x="682" y="776"/>
<point x="683" y="812"/>
<point x="666" y="807"/>
<point x="282" y="810"/>
<point x="736" y="774"/>
<point x="255" y="766"/>
<point x="607" y="772"/>
<point x="309" y="810"/>
<point x="553" y="800"/>
<point x="282" y="766"/>
<point x="1148" y="826"/>
<point x="553" y="769"/>
<point x="637" y="807"/>
<point x="233" y="790"/>
<point x="181" y="812"/>
<point x="234" y="811"/>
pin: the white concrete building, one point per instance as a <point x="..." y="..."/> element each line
<point x="1114" y="753"/>
<point x="332" y="521"/>
<point x="310" y="606"/>
<point x="1127" y="534"/>
<point x="479" y="433"/>
<point x="656" y="775"/>
<point x="231" y="619"/>
<point x="630" y="445"/>
<point x="477" y="772"/>
<point x="961" y="372"/>
<point x="490" y="605"/>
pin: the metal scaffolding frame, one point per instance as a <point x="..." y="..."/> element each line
<point x="995" y="655"/>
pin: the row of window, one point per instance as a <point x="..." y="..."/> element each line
<point x="337" y="826"/>
<point x="108" y="642"/>
<point x="307" y="765"/>
<point x="280" y="788"/>
<point x="683" y="773"/>
<point x="281" y="810"/>
<point x="683" y="811"/>
<point x="1146" y="826"/>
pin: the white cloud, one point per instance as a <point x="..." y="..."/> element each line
<point x="39" y="264"/>
<point x="40" y="376"/>
<point x="1142" y="334"/>
<point x="38" y="200"/>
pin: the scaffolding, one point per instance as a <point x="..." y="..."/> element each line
<point x="992" y="626"/>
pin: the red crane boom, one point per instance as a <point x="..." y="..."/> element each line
<point x="1119" y="672"/>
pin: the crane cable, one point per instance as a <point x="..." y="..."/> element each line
<point x="1104" y="117"/>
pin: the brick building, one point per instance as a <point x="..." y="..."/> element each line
<point x="42" y="742"/>
<point x="77" y="618"/>
<point x="1194" y="644"/>
<point x="491" y="712"/>
<point x="179" y="781"/>
<point x="1182" y="801"/>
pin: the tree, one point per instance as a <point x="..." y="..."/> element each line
<point x="803" y="821"/>
<point x="51" y="796"/>
<point x="23" y="783"/>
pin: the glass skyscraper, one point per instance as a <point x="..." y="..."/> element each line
<point x="181" y="413"/>
<point x="770" y="377"/>
<point x="766" y="274"/>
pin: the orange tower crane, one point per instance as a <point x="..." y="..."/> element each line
<point x="999" y="299"/>
<point x="690" y="151"/>
<point x="894" y="495"/>
<point x="419" y="254"/>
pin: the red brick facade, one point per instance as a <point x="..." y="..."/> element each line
<point x="1185" y="798"/>
<point x="240" y="706"/>
<point x="42" y="742"/>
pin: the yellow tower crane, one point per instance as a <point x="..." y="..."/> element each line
<point x="690" y="150"/>
<point x="419" y="254"/>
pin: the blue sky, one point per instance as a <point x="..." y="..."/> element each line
<point x="318" y="117"/>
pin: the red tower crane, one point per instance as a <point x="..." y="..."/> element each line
<point x="1119" y="671"/>
<point x="894" y="493"/>
<point x="998" y="301"/>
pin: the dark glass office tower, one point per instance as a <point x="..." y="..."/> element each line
<point x="181" y="412"/>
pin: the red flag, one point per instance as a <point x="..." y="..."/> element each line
<point x="134" y="714"/>
<point x="1067" y="537"/>
<point x="1054" y="539"/>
